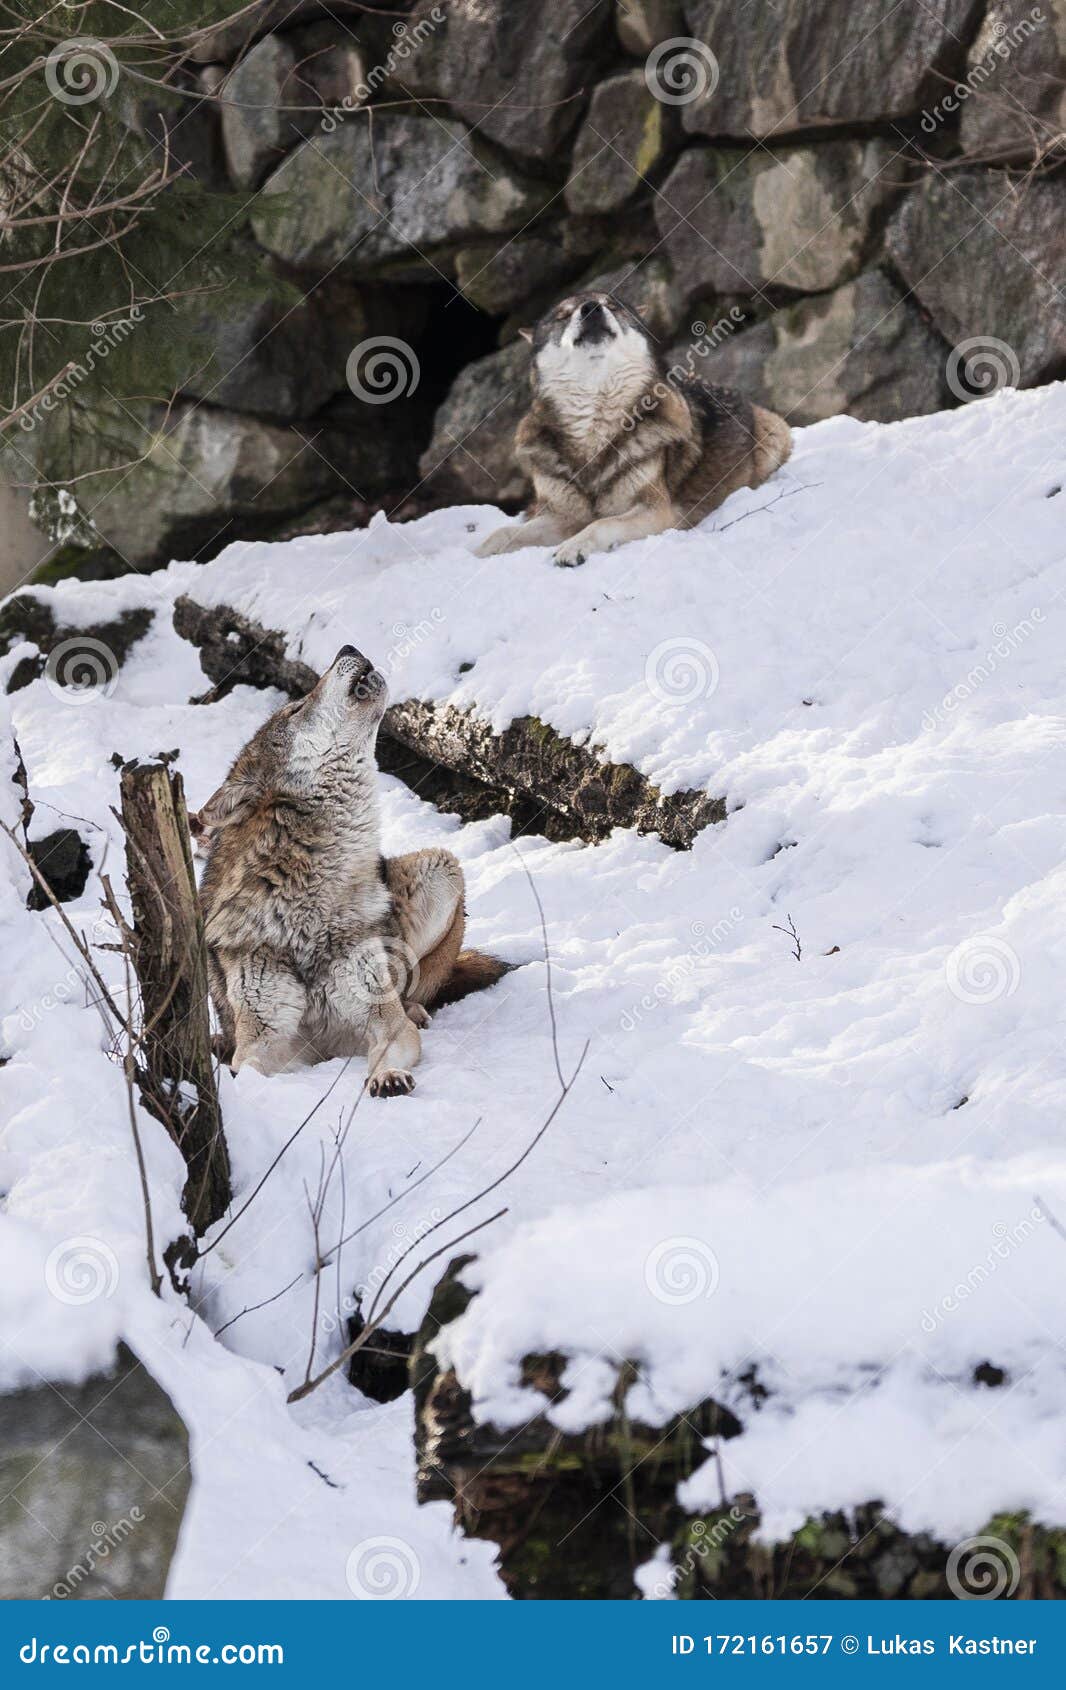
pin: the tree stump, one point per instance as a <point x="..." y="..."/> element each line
<point x="176" y="1073"/>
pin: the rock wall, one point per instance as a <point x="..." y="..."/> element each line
<point x="839" y="207"/>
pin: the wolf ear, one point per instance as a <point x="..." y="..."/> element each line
<point x="526" y="334"/>
<point x="231" y="803"/>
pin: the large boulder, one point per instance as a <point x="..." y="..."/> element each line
<point x="279" y="93"/>
<point x="387" y="199"/>
<point x="986" y="253"/>
<point x="188" y="480"/>
<point x="862" y="349"/>
<point x="283" y="361"/>
<point x="95" y="1479"/>
<point x="500" y="276"/>
<point x="1013" y="96"/>
<point x="764" y="70"/>
<point x="515" y="73"/>
<point x="621" y="144"/>
<point x="738" y="221"/>
<point x="471" y="454"/>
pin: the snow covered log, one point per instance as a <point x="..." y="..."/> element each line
<point x="546" y="783"/>
<point x="178" y="1082"/>
<point x="595" y="1514"/>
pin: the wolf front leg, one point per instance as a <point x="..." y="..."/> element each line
<point x="365" y="1007"/>
<point x="268" y="1004"/>
<point x="603" y="535"/>
<point x="545" y="529"/>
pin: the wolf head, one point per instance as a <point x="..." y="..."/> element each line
<point x="317" y="747"/>
<point x="589" y="342"/>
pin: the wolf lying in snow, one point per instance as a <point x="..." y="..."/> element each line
<point x="616" y="446"/>
<point x="317" y="945"/>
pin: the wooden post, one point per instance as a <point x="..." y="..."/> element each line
<point x="177" y="1072"/>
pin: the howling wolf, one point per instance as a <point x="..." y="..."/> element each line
<point x="617" y="446"/>
<point x="318" y="946"/>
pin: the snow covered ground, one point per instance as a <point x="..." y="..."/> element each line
<point x="834" y="1166"/>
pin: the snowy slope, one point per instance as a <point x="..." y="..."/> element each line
<point x="828" y="1167"/>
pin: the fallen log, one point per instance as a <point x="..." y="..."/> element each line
<point x="454" y="759"/>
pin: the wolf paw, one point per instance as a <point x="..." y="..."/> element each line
<point x="568" y="556"/>
<point x="417" y="1014"/>
<point x="501" y="540"/>
<point x="391" y="1082"/>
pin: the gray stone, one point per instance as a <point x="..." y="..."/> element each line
<point x="386" y="201"/>
<point x="786" y="67"/>
<point x="501" y="277"/>
<point x="986" y="254"/>
<point x="622" y="142"/>
<point x="470" y="457"/>
<point x="1013" y="96"/>
<point x="863" y="350"/>
<point x="516" y="73"/>
<point x="739" y="360"/>
<point x="226" y="40"/>
<point x="643" y="23"/>
<point x="283" y="361"/>
<point x="95" y="1479"/>
<point x="255" y="132"/>
<point x="739" y="221"/>
<point x="188" y="482"/>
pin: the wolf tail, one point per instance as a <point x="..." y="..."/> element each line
<point x="773" y="442"/>
<point x="472" y="971"/>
